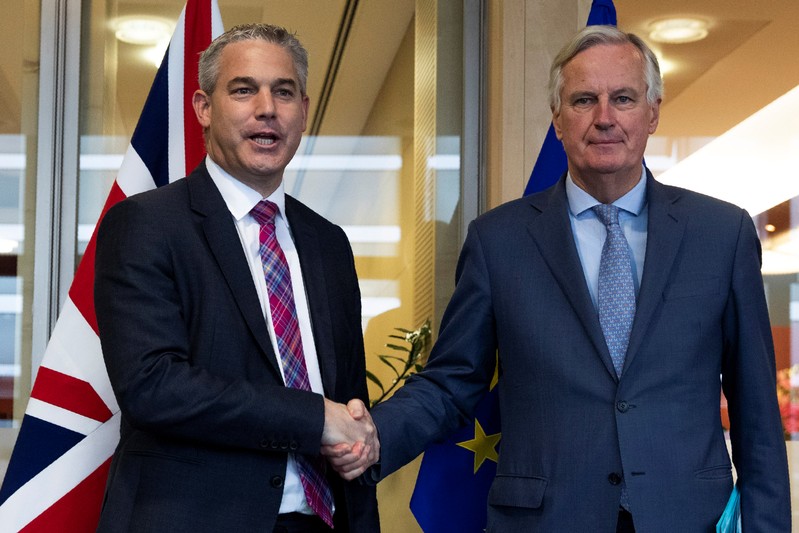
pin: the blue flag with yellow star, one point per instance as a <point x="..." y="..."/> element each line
<point x="451" y="492"/>
<point x="452" y="487"/>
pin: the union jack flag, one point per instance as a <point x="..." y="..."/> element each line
<point x="58" y="469"/>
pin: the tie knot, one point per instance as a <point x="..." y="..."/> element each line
<point x="264" y="212"/>
<point x="608" y="214"/>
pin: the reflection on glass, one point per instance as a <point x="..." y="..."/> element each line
<point x="12" y="185"/>
<point x="19" y="76"/>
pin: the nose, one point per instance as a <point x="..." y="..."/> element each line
<point x="265" y="104"/>
<point x="604" y="114"/>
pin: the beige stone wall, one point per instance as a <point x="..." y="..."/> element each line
<point x="523" y="37"/>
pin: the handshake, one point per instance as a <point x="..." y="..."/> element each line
<point x="349" y="438"/>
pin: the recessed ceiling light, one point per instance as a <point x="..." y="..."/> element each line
<point x="142" y="30"/>
<point x="678" y="30"/>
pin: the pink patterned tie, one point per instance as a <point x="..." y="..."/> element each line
<point x="287" y="331"/>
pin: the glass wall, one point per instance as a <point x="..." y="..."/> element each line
<point x="19" y="79"/>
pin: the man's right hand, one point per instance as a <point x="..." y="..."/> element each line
<point x="349" y="438"/>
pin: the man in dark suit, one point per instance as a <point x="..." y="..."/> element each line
<point x="614" y="337"/>
<point x="229" y="317"/>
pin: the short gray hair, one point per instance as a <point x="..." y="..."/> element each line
<point x="209" y="59"/>
<point x="596" y="35"/>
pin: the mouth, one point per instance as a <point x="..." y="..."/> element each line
<point x="264" y="139"/>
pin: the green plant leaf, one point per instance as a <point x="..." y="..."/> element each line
<point x="371" y="377"/>
<point x="418" y="345"/>
<point x="397" y="347"/>
<point x="394" y="357"/>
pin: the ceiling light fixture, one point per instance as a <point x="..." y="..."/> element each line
<point x="142" y="30"/>
<point x="678" y="30"/>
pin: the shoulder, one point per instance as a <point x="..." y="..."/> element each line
<point x="512" y="211"/>
<point x="696" y="205"/>
<point x="194" y="192"/>
<point x="523" y="211"/>
<point x="298" y="212"/>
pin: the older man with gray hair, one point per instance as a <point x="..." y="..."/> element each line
<point x="618" y="309"/>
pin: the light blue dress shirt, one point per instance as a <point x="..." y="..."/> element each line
<point x="590" y="234"/>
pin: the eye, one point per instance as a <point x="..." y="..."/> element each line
<point x="284" y="92"/>
<point x="582" y="101"/>
<point x="242" y="90"/>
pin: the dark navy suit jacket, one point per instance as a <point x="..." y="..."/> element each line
<point x="571" y="430"/>
<point x="207" y="423"/>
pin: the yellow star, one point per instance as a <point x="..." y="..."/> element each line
<point x="484" y="446"/>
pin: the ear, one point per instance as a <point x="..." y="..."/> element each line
<point x="654" y="118"/>
<point x="556" y="125"/>
<point x="306" y="102"/>
<point x="202" y="108"/>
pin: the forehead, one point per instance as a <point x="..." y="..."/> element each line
<point x="256" y="58"/>
<point x="605" y="65"/>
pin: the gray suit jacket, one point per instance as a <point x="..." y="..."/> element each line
<point x="570" y="428"/>
<point x="207" y="423"/>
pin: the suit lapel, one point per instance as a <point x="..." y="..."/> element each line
<point x="224" y="242"/>
<point x="306" y="240"/>
<point x="552" y="232"/>
<point x="665" y="229"/>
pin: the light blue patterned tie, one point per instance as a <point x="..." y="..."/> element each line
<point x="616" y="299"/>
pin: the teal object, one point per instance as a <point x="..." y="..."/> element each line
<point x="730" y="521"/>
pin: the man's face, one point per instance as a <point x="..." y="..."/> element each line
<point x="604" y="119"/>
<point x="255" y="117"/>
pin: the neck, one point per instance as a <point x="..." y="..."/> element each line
<point x="607" y="188"/>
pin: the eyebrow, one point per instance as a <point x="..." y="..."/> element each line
<point x="581" y="94"/>
<point x="249" y="80"/>
<point x="285" y="81"/>
<point x="629" y="90"/>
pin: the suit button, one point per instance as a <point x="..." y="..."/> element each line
<point x="284" y="446"/>
<point x="294" y="446"/>
<point x="614" y="478"/>
<point x="622" y="406"/>
<point x="264" y="443"/>
<point x="276" y="482"/>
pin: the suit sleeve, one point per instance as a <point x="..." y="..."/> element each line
<point x="749" y="382"/>
<point x="436" y="401"/>
<point x="151" y="313"/>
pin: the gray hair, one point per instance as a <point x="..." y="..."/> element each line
<point x="596" y="35"/>
<point x="209" y="59"/>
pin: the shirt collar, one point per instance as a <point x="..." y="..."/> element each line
<point x="632" y="202"/>
<point x="239" y="198"/>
